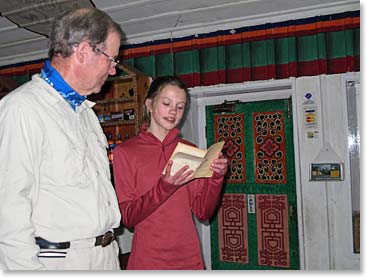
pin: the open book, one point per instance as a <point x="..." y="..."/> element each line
<point x="199" y="160"/>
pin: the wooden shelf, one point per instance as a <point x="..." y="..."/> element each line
<point x="121" y="95"/>
<point x="117" y="78"/>
<point x="118" y="122"/>
<point x="115" y="100"/>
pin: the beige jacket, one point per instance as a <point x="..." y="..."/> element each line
<point x="54" y="174"/>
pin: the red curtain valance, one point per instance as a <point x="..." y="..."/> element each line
<point x="312" y="46"/>
<point x="318" y="45"/>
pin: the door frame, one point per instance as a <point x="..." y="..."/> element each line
<point x="193" y="129"/>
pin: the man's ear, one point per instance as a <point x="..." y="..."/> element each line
<point x="82" y="50"/>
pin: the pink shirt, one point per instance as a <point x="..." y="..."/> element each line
<point x="165" y="236"/>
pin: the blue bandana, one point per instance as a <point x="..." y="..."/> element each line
<point x="51" y="76"/>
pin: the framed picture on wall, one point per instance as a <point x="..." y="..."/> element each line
<point x="326" y="171"/>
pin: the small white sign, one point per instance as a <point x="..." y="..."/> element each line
<point x="251" y="203"/>
<point x="309" y="113"/>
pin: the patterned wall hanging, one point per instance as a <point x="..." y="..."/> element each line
<point x="269" y="147"/>
<point x="230" y="128"/>
<point x="233" y="237"/>
<point x="272" y="230"/>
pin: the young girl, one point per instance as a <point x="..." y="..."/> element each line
<point x="160" y="206"/>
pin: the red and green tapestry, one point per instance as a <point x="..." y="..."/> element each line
<point x="269" y="147"/>
<point x="229" y="128"/>
<point x="272" y="230"/>
<point x="233" y="237"/>
<point x="327" y="44"/>
<point x="317" y="45"/>
<point x="256" y="226"/>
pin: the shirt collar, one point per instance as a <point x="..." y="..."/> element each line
<point x="52" y="77"/>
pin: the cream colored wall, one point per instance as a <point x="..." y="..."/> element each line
<point x="324" y="208"/>
<point x="327" y="209"/>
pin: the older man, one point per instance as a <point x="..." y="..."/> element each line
<point x="58" y="208"/>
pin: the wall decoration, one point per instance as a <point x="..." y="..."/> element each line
<point x="326" y="171"/>
<point x="269" y="148"/>
<point x="272" y="230"/>
<point x="230" y="128"/>
<point x="233" y="244"/>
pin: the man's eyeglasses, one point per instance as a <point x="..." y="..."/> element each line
<point x="113" y="61"/>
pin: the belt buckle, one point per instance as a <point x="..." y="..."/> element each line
<point x="107" y="239"/>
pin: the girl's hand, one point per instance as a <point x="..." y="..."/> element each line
<point x="220" y="165"/>
<point x="181" y="177"/>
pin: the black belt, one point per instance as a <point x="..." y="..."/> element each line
<point x="102" y="240"/>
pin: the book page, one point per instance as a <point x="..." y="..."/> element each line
<point x="212" y="154"/>
<point x="192" y="150"/>
<point x="185" y="149"/>
<point x="181" y="159"/>
<point x="198" y="160"/>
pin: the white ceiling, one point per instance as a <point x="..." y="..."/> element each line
<point x="146" y="20"/>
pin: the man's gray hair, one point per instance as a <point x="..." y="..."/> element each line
<point x="85" y="24"/>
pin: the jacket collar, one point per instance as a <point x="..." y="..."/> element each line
<point x="148" y="136"/>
